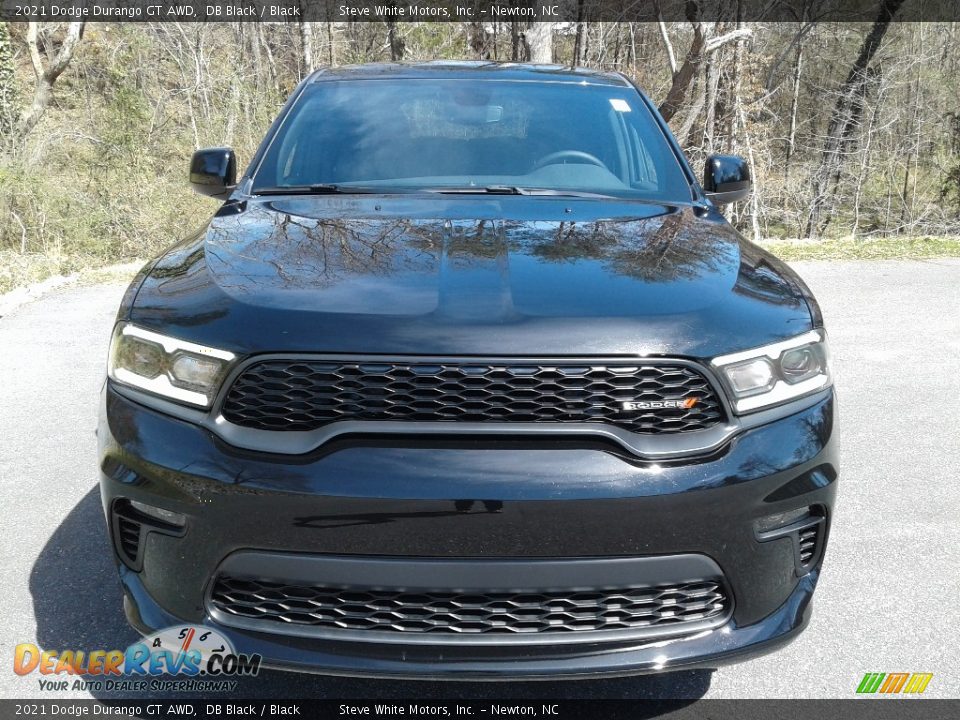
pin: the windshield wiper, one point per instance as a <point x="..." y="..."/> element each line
<point x="315" y="189"/>
<point x="332" y="189"/>
<point x="551" y="192"/>
<point x="514" y="190"/>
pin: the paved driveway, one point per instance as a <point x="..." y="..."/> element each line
<point x="888" y="599"/>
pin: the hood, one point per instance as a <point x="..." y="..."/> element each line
<point x="450" y="275"/>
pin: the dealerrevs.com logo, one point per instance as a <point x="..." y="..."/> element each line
<point x="198" y="658"/>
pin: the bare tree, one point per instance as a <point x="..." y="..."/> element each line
<point x="9" y="99"/>
<point x="794" y="105"/>
<point x="47" y="76"/>
<point x="306" y="46"/>
<point x="538" y="37"/>
<point x="703" y="44"/>
<point x="667" y="45"/>
<point x="579" y="43"/>
<point x="395" y="40"/>
<point x="478" y="40"/>
<point x="846" y="115"/>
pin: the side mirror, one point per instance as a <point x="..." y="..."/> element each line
<point x="213" y="171"/>
<point x="726" y="179"/>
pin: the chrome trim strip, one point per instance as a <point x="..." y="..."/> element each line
<point x="772" y="351"/>
<point x="665" y="632"/>
<point x="171" y="344"/>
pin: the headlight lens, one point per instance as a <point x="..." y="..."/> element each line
<point x="800" y="364"/>
<point x="776" y="373"/>
<point x="751" y="377"/>
<point x="165" y="366"/>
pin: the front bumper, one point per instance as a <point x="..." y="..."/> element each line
<point x="471" y="501"/>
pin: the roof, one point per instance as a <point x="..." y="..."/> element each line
<point x="476" y="70"/>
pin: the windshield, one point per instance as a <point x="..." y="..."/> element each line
<point x="461" y="135"/>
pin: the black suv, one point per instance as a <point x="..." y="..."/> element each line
<point x="468" y="377"/>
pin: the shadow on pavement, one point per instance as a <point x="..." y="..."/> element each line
<point x="78" y="605"/>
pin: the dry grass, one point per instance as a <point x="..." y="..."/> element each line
<point x="888" y="248"/>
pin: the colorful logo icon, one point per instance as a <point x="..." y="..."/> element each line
<point x="892" y="683"/>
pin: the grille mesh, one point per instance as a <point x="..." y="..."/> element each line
<point x="307" y="394"/>
<point x="461" y="613"/>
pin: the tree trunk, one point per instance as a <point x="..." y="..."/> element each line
<point x="693" y="112"/>
<point x="864" y="163"/>
<point x="578" y="53"/>
<point x="845" y="116"/>
<point x="539" y="38"/>
<point x="684" y="75"/>
<point x="794" y="102"/>
<point x="9" y="100"/>
<point x="306" y="46"/>
<point x="700" y="47"/>
<point x="331" y="47"/>
<point x="46" y="77"/>
<point x="712" y="85"/>
<point x="667" y="46"/>
<point x="477" y="38"/>
<point x="397" y="44"/>
<point x="539" y="42"/>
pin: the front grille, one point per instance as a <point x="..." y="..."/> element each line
<point x="308" y="394"/>
<point x="444" y="612"/>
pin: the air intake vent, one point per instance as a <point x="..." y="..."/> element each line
<point x="128" y="534"/>
<point x="129" y="537"/>
<point x="805" y="527"/>
<point x="470" y="614"/>
<point x="808" y="544"/>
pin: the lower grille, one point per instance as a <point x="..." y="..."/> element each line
<point x="306" y="394"/>
<point x="452" y="613"/>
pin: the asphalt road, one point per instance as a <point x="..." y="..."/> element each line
<point x="889" y="598"/>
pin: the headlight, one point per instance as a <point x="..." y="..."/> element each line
<point x="166" y="366"/>
<point x="776" y="373"/>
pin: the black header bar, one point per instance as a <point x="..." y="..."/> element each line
<point x="231" y="707"/>
<point x="488" y="11"/>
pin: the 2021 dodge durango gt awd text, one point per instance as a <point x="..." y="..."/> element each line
<point x="468" y="377"/>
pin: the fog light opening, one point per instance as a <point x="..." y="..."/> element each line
<point x="805" y="527"/>
<point x="782" y="519"/>
<point x="166" y="516"/>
